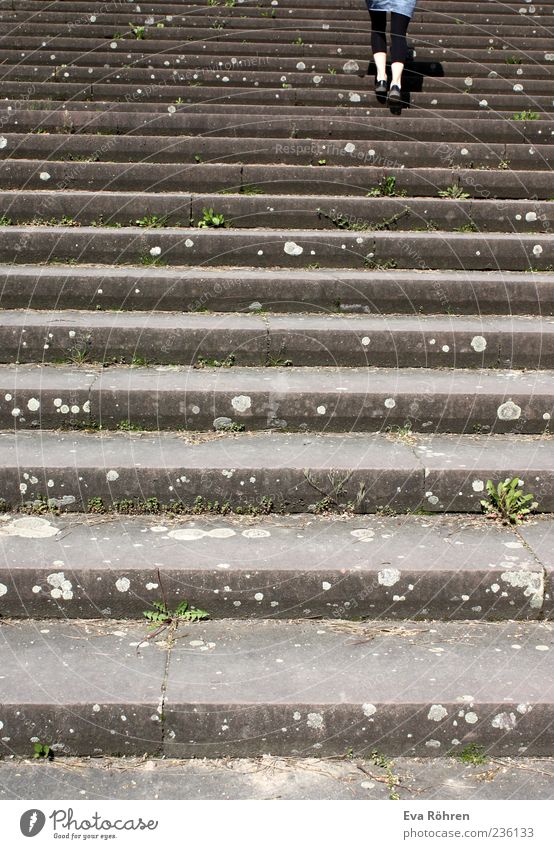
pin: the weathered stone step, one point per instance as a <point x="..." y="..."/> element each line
<point x="298" y="79"/>
<point x="331" y="180"/>
<point x="247" y="289"/>
<point x="274" y="568"/>
<point x="274" y="340"/>
<point x="437" y="35"/>
<point x="261" y="472"/>
<point x="220" y="120"/>
<point x="295" y="249"/>
<point x="427" y="400"/>
<point x="55" y="146"/>
<point x="284" y="688"/>
<point x="299" y="96"/>
<point x="517" y="67"/>
<point x="483" y="57"/>
<point x="317" y="18"/>
<point x="443" y="7"/>
<point x="245" y="211"/>
<point x="276" y="778"/>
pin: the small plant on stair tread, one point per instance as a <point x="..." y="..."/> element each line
<point x="41" y="751"/>
<point x="386" y="188"/>
<point x="138" y="31"/>
<point x="507" y="501"/>
<point x="454" y="191"/>
<point x="391" y="780"/>
<point x="161" y="617"/>
<point x="526" y="115"/>
<point x="211" y="218"/>
<point x="151" y="221"/>
<point x="207" y="362"/>
<point x="473" y="753"/>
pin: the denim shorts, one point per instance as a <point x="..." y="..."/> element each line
<point x="402" y="7"/>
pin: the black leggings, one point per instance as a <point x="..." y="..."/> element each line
<point x="398" y="29"/>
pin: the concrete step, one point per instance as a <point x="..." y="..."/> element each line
<point x="238" y="689"/>
<point x="271" y="248"/>
<point x="328" y="81"/>
<point x="276" y="567"/>
<point x="71" y="287"/>
<point x="262" y="30"/>
<point x="425" y="8"/>
<point x="416" y="400"/>
<point x="277" y="778"/>
<point x="518" y="67"/>
<point x="200" y="14"/>
<point x="182" y="52"/>
<point x="332" y="180"/>
<point x="277" y="340"/>
<point x="419" y="101"/>
<point x="264" y="472"/>
<point x="243" y="210"/>
<point x="277" y="121"/>
<point x="55" y="146"/>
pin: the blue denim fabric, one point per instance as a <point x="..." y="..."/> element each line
<point x="402" y="7"/>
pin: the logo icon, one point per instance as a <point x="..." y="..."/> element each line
<point x="32" y="822"/>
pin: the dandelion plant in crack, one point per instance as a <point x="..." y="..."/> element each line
<point x="508" y="502"/>
<point x="161" y="617"/>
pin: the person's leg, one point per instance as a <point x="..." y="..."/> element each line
<point x="399" y="47"/>
<point x="379" y="42"/>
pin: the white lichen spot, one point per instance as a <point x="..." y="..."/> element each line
<point x="241" y="403"/>
<point x="471" y="718"/>
<point x="368" y="709"/>
<point x="325" y="585"/>
<point x="33" y="404"/>
<point x="478" y="343"/>
<point x="537" y="250"/>
<point x="30" y="527"/>
<point x="296" y="716"/>
<point x="292" y="249"/>
<point x="508" y="412"/>
<point x="155" y="251"/>
<point x="321" y="410"/>
<point x="61" y="586"/>
<point x="478" y="485"/>
<point x="315" y="720"/>
<point x="259" y="596"/>
<point x="390" y="403"/>
<point x="122" y="584"/>
<point x="256" y="533"/>
<point x="44" y="176"/>
<point x="388" y="577"/>
<point x="437" y="713"/>
<point x="3" y="589"/>
<point x="433" y="744"/>
<point x="530" y="582"/>
<point x="504" y="721"/>
<point x="112" y="475"/>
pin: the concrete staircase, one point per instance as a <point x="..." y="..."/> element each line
<point x="262" y="344"/>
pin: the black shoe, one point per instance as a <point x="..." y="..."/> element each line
<point x="381" y="87"/>
<point x="395" y="95"/>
